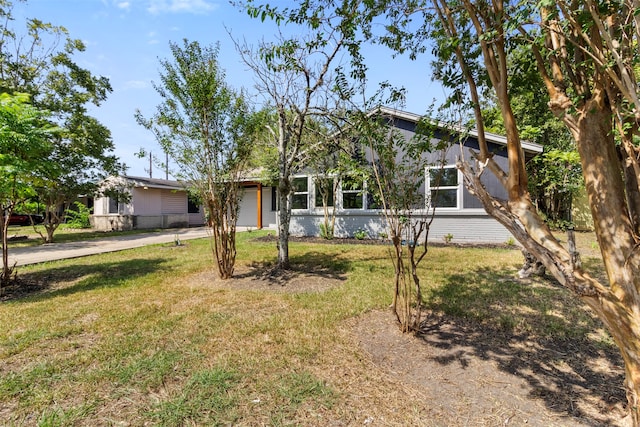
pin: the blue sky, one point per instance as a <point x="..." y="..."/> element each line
<point x="125" y="39"/>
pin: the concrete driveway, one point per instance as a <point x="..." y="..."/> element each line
<point x="57" y="251"/>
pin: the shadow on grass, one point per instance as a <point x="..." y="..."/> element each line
<point x="534" y="330"/>
<point x="79" y="277"/>
<point x="323" y="265"/>
<point x="595" y="267"/>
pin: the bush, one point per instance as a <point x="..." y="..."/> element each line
<point x="360" y="234"/>
<point x="326" y="231"/>
<point x="79" y="216"/>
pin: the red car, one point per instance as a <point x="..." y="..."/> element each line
<point x="24" y="219"/>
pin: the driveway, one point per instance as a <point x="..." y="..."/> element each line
<point x="57" y="251"/>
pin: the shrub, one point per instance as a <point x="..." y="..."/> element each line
<point x="360" y="234"/>
<point x="79" y="216"/>
<point x="326" y="231"/>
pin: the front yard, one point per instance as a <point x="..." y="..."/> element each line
<point x="150" y="337"/>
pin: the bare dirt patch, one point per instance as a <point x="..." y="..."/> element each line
<point x="474" y="376"/>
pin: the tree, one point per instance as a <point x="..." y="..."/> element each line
<point x="41" y="64"/>
<point x="301" y="77"/>
<point x="397" y="175"/>
<point x="26" y="137"/>
<point x="586" y="57"/>
<point x="206" y="128"/>
<point x="78" y="162"/>
<point x="555" y="177"/>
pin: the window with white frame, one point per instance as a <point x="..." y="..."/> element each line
<point x="443" y="187"/>
<point x="300" y="197"/>
<point x="352" y="193"/>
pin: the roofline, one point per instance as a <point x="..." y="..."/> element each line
<point x="492" y="137"/>
<point x="139" y="181"/>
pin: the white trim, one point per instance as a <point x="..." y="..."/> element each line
<point x="342" y="192"/>
<point x="427" y="188"/>
<point x="293" y="193"/>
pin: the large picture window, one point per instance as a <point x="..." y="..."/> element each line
<point x="443" y="187"/>
<point x="300" y="198"/>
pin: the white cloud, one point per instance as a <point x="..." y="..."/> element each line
<point x="178" y="6"/>
<point x="123" y="5"/>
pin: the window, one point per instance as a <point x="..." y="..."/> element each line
<point x="443" y="187"/>
<point x="113" y="205"/>
<point x="352" y="193"/>
<point x="324" y="188"/>
<point x="300" y="199"/>
<point x="193" y="205"/>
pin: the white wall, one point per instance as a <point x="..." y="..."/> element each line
<point x="268" y="215"/>
<point x="173" y="202"/>
<point x="146" y="202"/>
<point x="248" y="216"/>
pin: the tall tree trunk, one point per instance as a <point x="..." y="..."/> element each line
<point x="616" y="235"/>
<point x="630" y="166"/>
<point x="590" y="120"/>
<point x="284" y="216"/>
<point x="6" y="270"/>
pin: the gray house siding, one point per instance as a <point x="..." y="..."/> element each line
<point x="465" y="219"/>
<point x="465" y="227"/>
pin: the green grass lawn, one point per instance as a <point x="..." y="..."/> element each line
<point x="148" y="337"/>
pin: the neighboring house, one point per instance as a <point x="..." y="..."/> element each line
<point x="460" y="214"/>
<point x="149" y="203"/>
